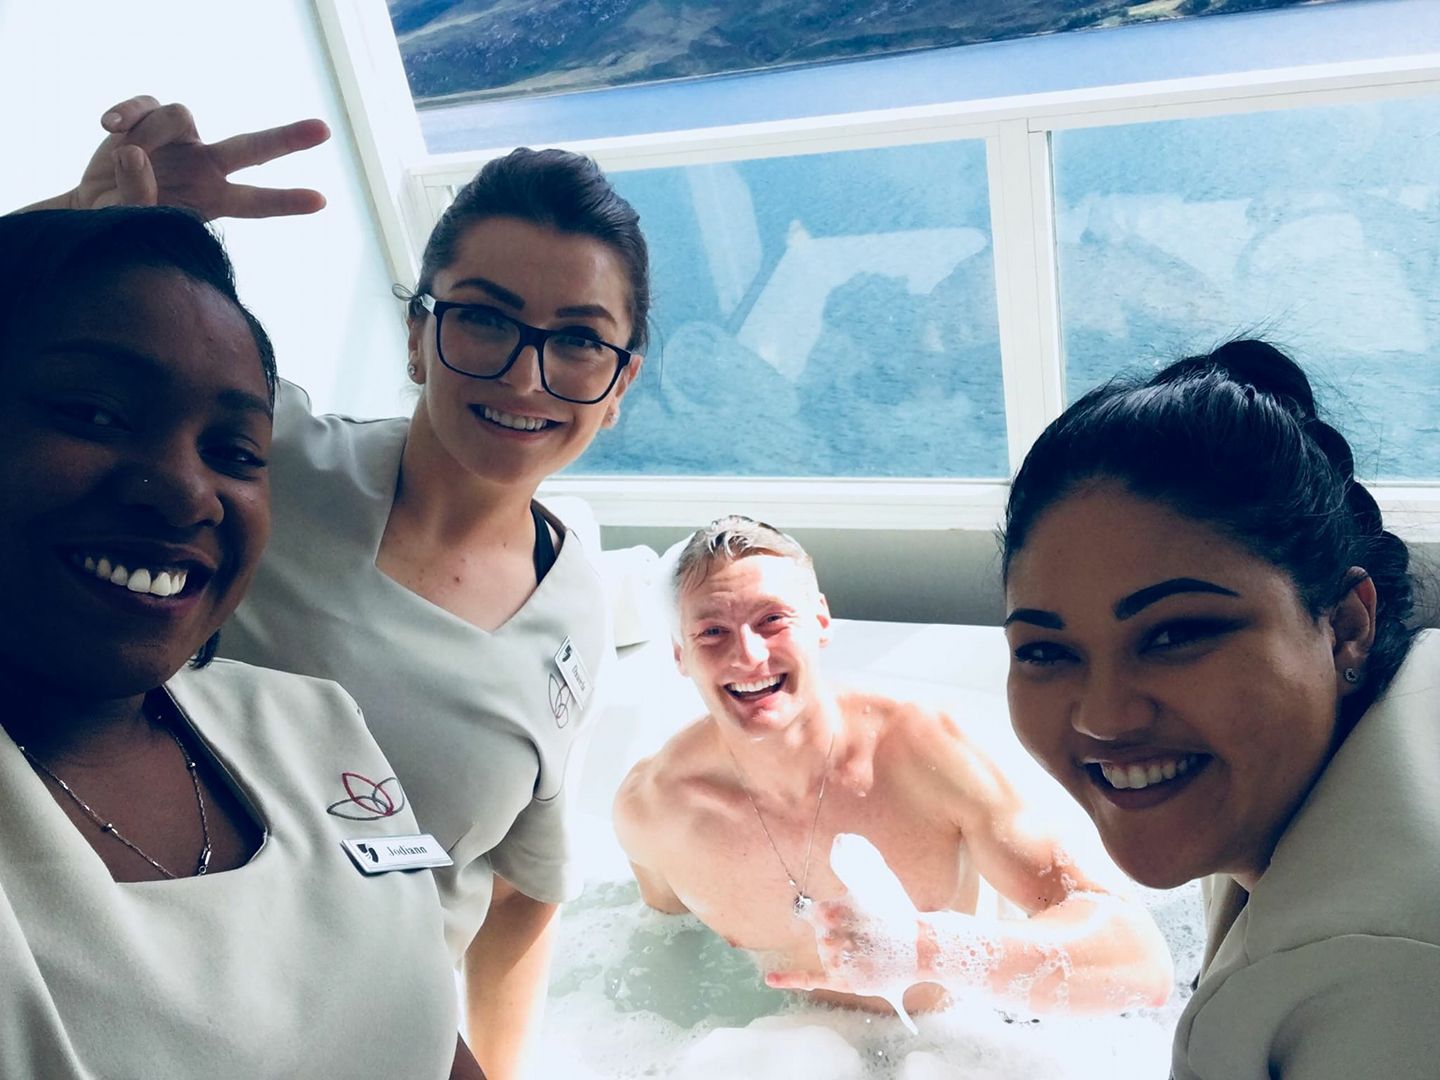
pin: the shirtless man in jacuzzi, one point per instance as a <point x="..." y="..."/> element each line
<point x="734" y="818"/>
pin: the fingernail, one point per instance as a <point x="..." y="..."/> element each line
<point x="110" y="119"/>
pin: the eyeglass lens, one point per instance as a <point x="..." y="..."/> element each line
<point x="481" y="343"/>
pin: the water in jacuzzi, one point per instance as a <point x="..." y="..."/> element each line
<point x="636" y="993"/>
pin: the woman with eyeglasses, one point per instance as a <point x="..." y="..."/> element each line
<point x="1211" y="650"/>
<point x="410" y="561"/>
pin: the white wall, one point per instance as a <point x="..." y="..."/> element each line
<point x="320" y="283"/>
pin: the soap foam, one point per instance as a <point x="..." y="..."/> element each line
<point x="637" y="995"/>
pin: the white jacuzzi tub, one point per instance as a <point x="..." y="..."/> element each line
<point x="634" y="993"/>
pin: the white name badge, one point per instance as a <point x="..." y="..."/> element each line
<point x="382" y="854"/>
<point x="574" y="672"/>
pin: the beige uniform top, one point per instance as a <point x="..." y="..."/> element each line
<point x="1331" y="969"/>
<point x="481" y="727"/>
<point x="293" y="965"/>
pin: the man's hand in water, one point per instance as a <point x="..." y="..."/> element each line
<point x="861" y="951"/>
<point x="869" y="940"/>
<point x="154" y="155"/>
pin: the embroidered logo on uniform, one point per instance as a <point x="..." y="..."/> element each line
<point x="367" y="800"/>
<point x="561" y="700"/>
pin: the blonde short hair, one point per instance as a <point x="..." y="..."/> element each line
<point x="726" y="540"/>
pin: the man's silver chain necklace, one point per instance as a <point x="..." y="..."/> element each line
<point x="802" y="898"/>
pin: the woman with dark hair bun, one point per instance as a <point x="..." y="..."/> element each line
<point x="410" y="561"/>
<point x="175" y="899"/>
<point x="1211" y="651"/>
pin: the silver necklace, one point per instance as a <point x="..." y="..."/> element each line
<point x="802" y="898"/>
<point x="202" y="864"/>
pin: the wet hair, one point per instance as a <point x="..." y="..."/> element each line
<point x="726" y="540"/>
<point x="44" y="254"/>
<point x="559" y="190"/>
<point x="1232" y="439"/>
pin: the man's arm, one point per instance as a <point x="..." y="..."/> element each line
<point x="153" y="155"/>
<point x="505" y="978"/>
<point x="637" y="829"/>
<point x="1087" y="945"/>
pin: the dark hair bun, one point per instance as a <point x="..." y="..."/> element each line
<point x="1257" y="364"/>
<point x="1233" y="439"/>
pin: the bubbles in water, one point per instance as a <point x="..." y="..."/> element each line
<point x="619" y="1012"/>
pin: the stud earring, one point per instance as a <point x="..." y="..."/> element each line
<point x="413" y="369"/>
<point x="1351" y="675"/>
<point x="611" y="416"/>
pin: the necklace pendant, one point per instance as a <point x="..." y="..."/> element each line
<point x="802" y="904"/>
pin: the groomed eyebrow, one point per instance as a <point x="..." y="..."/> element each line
<point x="235" y="400"/>
<point x="1127" y="608"/>
<point x="584" y="311"/>
<point x="244" y="401"/>
<point x="499" y="292"/>
<point x="1035" y="617"/>
<point x="1140" y="599"/>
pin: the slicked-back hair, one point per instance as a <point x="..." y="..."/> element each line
<point x="556" y="189"/>
<point x="726" y="540"/>
<point x="1232" y="439"/>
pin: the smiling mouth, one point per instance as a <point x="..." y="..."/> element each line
<point x="1158" y="773"/>
<point x="524" y="425"/>
<point x="156" y="582"/>
<point x="754" y="691"/>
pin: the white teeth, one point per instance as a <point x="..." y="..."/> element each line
<point x="519" y="423"/>
<point x="141" y="580"/>
<point x="751" y="687"/>
<point x="1134" y="777"/>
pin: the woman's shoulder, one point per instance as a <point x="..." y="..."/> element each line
<point x="301" y="737"/>
<point x="1362" y="855"/>
<point x="305" y="440"/>
<point x="262" y="704"/>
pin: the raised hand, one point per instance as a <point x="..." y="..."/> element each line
<point x="868" y="939"/>
<point x="154" y="154"/>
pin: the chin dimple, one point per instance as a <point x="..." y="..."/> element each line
<point x="153" y="581"/>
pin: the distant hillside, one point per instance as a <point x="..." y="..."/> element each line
<point x="499" y="48"/>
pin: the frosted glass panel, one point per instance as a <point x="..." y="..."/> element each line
<point x="822" y="315"/>
<point x="1318" y="229"/>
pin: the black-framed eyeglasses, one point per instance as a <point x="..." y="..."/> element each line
<point x="478" y="341"/>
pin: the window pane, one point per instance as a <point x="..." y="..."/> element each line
<point x="1318" y="229"/>
<point x="824" y="315"/>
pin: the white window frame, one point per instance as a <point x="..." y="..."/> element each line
<point x="410" y="187"/>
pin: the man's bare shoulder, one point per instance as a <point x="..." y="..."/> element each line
<point x="906" y="726"/>
<point x="928" y="740"/>
<point x="670" y="778"/>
